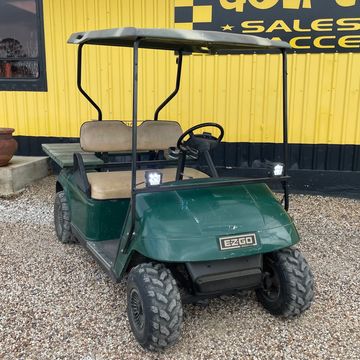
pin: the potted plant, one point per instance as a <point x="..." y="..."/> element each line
<point x="8" y="145"/>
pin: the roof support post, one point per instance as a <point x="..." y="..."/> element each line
<point x="177" y="87"/>
<point x="134" y="140"/>
<point x="79" y="75"/>
<point x="285" y="126"/>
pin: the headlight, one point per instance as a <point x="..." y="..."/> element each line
<point x="278" y="169"/>
<point x="153" y="178"/>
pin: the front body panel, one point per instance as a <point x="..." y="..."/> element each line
<point x="186" y="225"/>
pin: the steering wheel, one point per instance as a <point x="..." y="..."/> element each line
<point x="199" y="143"/>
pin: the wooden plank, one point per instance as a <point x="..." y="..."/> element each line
<point x="63" y="154"/>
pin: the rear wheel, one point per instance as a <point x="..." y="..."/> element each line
<point x="154" y="306"/>
<point x="62" y="219"/>
<point x="288" y="283"/>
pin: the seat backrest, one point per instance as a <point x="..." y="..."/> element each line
<point x="114" y="135"/>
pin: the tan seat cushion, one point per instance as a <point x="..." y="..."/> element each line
<point x="117" y="184"/>
<point x="115" y="136"/>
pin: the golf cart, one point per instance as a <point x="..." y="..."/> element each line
<point x="178" y="231"/>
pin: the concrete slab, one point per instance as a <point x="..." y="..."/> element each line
<point x="22" y="171"/>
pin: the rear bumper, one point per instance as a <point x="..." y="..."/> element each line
<point x="221" y="276"/>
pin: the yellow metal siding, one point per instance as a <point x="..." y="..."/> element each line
<point x="240" y="92"/>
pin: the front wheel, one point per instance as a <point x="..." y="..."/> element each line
<point x="288" y="284"/>
<point x="154" y="306"/>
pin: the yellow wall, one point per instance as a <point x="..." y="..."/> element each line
<point x="240" y="92"/>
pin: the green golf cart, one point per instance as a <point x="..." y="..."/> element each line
<point x="154" y="209"/>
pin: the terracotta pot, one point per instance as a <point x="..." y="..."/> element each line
<point x="8" y="145"/>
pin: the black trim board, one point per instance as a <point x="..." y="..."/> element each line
<point x="320" y="168"/>
<point x="301" y="156"/>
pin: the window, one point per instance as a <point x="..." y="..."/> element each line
<point x="22" y="53"/>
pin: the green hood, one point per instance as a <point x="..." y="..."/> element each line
<point x="186" y="225"/>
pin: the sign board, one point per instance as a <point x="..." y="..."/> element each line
<point x="310" y="26"/>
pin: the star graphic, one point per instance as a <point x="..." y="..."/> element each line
<point x="227" y="27"/>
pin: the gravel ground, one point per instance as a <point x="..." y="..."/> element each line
<point x="56" y="303"/>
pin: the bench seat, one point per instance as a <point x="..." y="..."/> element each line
<point x="117" y="184"/>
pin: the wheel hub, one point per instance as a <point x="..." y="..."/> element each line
<point x="137" y="310"/>
<point x="271" y="285"/>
